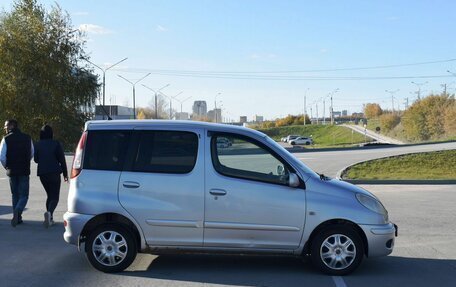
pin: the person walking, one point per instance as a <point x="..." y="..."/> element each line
<point x="51" y="163"/>
<point x="16" y="152"/>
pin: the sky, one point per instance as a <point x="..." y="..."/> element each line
<point x="264" y="57"/>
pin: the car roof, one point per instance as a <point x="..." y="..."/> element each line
<point x="132" y="124"/>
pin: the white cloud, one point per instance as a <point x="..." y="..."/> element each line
<point x="80" y="13"/>
<point x="161" y="28"/>
<point x="94" y="29"/>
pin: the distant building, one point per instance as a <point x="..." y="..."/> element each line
<point x="115" y="112"/>
<point x="358" y="115"/>
<point x="337" y="114"/>
<point x="258" y="119"/>
<point x="242" y="119"/>
<point x="215" y="115"/>
<point x="181" y="116"/>
<point x="199" y="109"/>
<point x="344" y="113"/>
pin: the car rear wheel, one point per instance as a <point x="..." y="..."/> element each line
<point x="337" y="250"/>
<point x="307" y="143"/>
<point x="111" y="248"/>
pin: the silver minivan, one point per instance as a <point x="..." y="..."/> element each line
<point x="169" y="186"/>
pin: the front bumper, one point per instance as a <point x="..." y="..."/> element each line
<point x="380" y="238"/>
<point x="74" y="224"/>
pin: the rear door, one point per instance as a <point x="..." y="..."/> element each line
<point x="163" y="186"/>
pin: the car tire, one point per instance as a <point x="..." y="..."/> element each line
<point x="307" y="143"/>
<point x="111" y="248"/>
<point x="292" y="143"/>
<point x="337" y="250"/>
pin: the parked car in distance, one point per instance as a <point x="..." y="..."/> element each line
<point x="157" y="187"/>
<point x="223" y="142"/>
<point x="289" y="138"/>
<point x="301" y="140"/>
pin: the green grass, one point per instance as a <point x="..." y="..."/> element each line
<point x="428" y="165"/>
<point x="323" y="136"/>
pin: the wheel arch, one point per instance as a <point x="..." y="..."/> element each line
<point x="110" y="218"/>
<point x="338" y="222"/>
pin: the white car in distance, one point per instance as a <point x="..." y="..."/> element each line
<point x="301" y="141"/>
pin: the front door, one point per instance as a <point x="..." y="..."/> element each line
<point x="248" y="203"/>
<point x="163" y="186"/>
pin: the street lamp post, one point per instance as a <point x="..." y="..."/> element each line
<point x="392" y="93"/>
<point x="155" y="94"/>
<point x="305" y="107"/>
<point x="419" y="88"/>
<point x="134" y="95"/>
<point x="182" y="101"/>
<point x="215" y="105"/>
<point x="104" y="75"/>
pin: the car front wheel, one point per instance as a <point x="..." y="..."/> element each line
<point x="337" y="250"/>
<point x="111" y="248"/>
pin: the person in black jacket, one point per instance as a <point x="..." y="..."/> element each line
<point x="51" y="163"/>
<point x="16" y="151"/>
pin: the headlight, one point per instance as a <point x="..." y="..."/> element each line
<point x="372" y="204"/>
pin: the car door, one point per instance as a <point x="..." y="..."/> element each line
<point x="248" y="203"/>
<point x="163" y="186"/>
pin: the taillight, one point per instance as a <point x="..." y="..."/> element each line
<point x="77" y="160"/>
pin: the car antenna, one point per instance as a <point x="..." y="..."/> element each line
<point x="106" y="113"/>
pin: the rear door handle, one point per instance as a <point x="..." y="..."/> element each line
<point x="217" y="192"/>
<point x="131" y="184"/>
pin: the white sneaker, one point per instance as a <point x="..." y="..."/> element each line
<point x="47" y="219"/>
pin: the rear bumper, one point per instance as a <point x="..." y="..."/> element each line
<point x="74" y="224"/>
<point x="380" y="238"/>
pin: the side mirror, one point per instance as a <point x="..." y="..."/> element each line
<point x="293" y="180"/>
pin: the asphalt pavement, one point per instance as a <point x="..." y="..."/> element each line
<point x="424" y="254"/>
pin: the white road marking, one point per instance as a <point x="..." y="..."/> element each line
<point x="3" y="178"/>
<point x="339" y="281"/>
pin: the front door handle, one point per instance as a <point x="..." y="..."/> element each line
<point x="131" y="184"/>
<point x="217" y="192"/>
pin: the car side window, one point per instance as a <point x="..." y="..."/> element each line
<point x="241" y="157"/>
<point x="105" y="150"/>
<point x="166" y="152"/>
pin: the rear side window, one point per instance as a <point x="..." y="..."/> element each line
<point x="166" y="152"/>
<point x="105" y="150"/>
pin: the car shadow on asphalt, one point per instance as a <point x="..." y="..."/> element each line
<point x="233" y="270"/>
<point x="289" y="271"/>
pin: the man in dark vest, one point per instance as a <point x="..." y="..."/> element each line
<point x="16" y="151"/>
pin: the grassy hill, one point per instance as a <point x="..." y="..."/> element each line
<point x="323" y="136"/>
<point x="428" y="165"/>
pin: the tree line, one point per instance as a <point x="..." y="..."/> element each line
<point x="429" y="118"/>
<point x="44" y="77"/>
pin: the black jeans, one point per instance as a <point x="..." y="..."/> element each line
<point x="51" y="183"/>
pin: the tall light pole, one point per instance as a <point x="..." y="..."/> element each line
<point x="392" y="93"/>
<point x="215" y="105"/>
<point x="182" y="101"/>
<point x="134" y="95"/>
<point x="155" y="94"/>
<point x="332" y="109"/>
<point x="104" y="74"/>
<point x="170" y="103"/>
<point x="305" y="107"/>
<point x="419" y="88"/>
